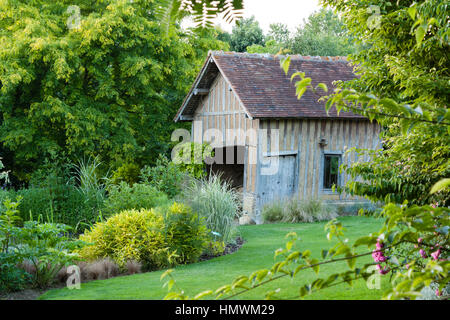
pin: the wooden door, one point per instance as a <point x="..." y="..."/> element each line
<point x="280" y="185"/>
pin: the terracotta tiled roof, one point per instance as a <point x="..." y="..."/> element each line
<point x="264" y="89"/>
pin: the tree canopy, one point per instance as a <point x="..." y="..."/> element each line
<point x="87" y="78"/>
<point x="245" y="33"/>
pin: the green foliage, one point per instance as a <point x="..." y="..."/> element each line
<point x="203" y="11"/>
<point x="406" y="169"/>
<point x="245" y="33"/>
<point x="3" y="174"/>
<point x="191" y="158"/>
<point x="128" y="172"/>
<point x="271" y="46"/>
<point x="165" y="176"/>
<point x="63" y="203"/>
<point x="45" y="246"/>
<point x="109" y="86"/>
<point x="216" y="202"/>
<point x="129" y="235"/>
<point x="185" y="233"/>
<point x="138" y="196"/>
<point x="48" y="248"/>
<point x="323" y="34"/>
<point x="403" y="226"/>
<point x="157" y="237"/>
<point x="12" y="278"/>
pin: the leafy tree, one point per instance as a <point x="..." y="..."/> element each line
<point x="223" y="36"/>
<point x="90" y="77"/>
<point x="245" y="33"/>
<point x="271" y="47"/>
<point x="323" y="34"/>
<point x="278" y="32"/>
<point x="404" y="78"/>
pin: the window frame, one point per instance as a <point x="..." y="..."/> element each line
<point x="325" y="153"/>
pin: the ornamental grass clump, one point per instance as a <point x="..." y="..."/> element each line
<point x="218" y="203"/>
<point x="295" y="210"/>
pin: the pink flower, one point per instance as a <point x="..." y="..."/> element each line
<point x="436" y="254"/>
<point x="420" y="240"/>
<point x="423" y="253"/>
<point x="379" y="245"/>
<point x="378" y="256"/>
<point x="382" y="270"/>
<point x="438" y="292"/>
<point x="407" y="266"/>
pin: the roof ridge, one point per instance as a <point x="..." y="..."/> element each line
<point x="271" y="56"/>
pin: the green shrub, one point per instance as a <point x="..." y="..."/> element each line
<point x="47" y="248"/>
<point x="166" y="176"/>
<point x="62" y="203"/>
<point x="217" y="203"/>
<point x="44" y="246"/>
<point x="5" y="194"/>
<point x="11" y="278"/>
<point x="128" y="172"/>
<point x="273" y="212"/>
<point x="139" y="196"/>
<point x="129" y="235"/>
<point x="157" y="238"/>
<point x="186" y="233"/>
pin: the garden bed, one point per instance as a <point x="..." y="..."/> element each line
<point x="256" y="253"/>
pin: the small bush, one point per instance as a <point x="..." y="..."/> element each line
<point x="156" y="238"/>
<point x="128" y="172"/>
<point x="217" y="203"/>
<point x="273" y="212"/>
<point x="129" y="235"/>
<point x="139" y="196"/>
<point x="41" y="249"/>
<point x="186" y="234"/>
<point x="166" y="176"/>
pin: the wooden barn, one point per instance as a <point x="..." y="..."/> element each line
<point x="268" y="142"/>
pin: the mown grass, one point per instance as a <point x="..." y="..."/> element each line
<point x="257" y="253"/>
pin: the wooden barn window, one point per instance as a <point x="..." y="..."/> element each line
<point x="331" y="171"/>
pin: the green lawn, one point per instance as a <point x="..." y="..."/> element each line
<point x="256" y="253"/>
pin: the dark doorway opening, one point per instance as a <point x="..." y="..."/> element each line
<point x="229" y="163"/>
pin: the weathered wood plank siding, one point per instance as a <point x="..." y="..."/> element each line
<point x="301" y="137"/>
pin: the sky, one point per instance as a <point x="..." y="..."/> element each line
<point x="266" y="12"/>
